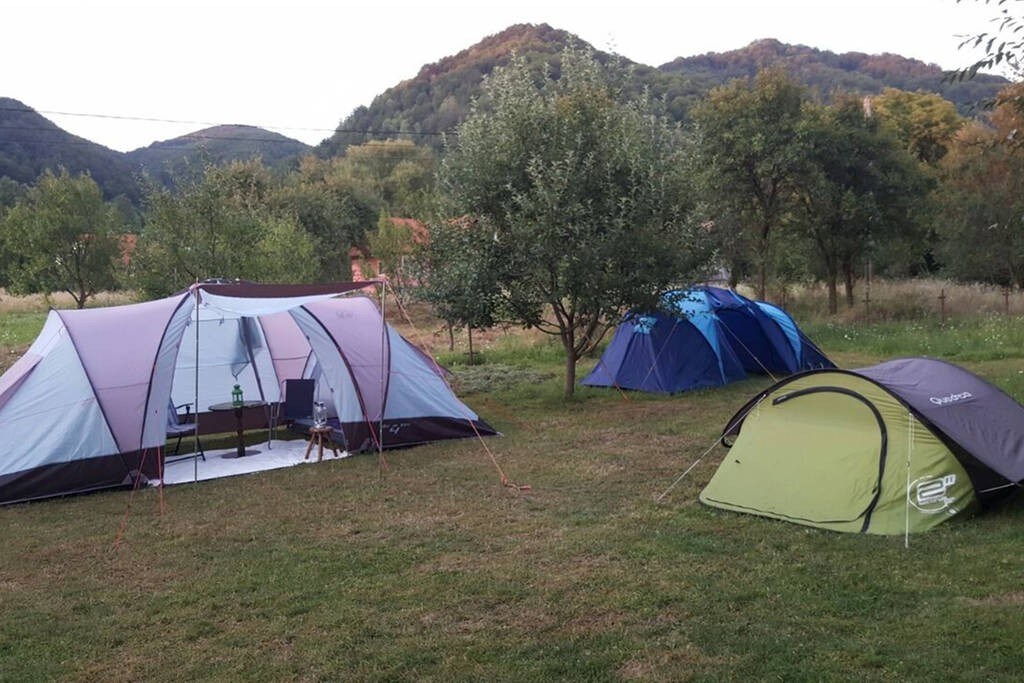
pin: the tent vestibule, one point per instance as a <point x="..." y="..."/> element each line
<point x="87" y="406"/>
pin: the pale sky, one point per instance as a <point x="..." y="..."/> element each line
<point x="299" y="67"/>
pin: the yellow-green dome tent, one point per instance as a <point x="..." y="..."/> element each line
<point x="896" y="447"/>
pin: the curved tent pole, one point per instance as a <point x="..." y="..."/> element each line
<point x="256" y="371"/>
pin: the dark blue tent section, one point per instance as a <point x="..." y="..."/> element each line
<point x="711" y="337"/>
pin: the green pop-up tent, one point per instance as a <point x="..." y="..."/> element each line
<point x="897" y="447"/>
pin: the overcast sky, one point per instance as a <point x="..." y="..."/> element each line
<point x="301" y="66"/>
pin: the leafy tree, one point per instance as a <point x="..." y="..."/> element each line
<point x="862" y="190"/>
<point x="397" y="173"/>
<point x="457" y="272"/>
<point x="582" y="195"/>
<point x="391" y="244"/>
<point x="62" y="236"/>
<point x="1004" y="46"/>
<point x="283" y="252"/>
<point x="983" y="199"/>
<point x="11" y="192"/>
<point x="924" y="122"/>
<point x="336" y="214"/>
<point x="219" y="224"/>
<point x="751" y="157"/>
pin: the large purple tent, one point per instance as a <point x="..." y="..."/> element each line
<point x="87" y="406"/>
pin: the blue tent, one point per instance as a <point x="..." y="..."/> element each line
<point x="711" y="337"/>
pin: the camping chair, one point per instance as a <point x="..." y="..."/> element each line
<point x="177" y="428"/>
<point x="297" y="408"/>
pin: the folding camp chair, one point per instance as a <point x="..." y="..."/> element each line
<point x="297" y="408"/>
<point x="177" y="428"/>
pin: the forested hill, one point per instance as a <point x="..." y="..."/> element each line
<point x="826" y="72"/>
<point x="216" y="145"/>
<point x="30" y="143"/>
<point x="439" y="96"/>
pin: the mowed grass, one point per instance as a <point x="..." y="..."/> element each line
<point x="430" y="569"/>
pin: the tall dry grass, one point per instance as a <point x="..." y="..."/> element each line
<point x="910" y="299"/>
<point x="35" y="303"/>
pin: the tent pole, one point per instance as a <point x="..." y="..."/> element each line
<point x="383" y="372"/>
<point x="906" y="503"/>
<point x="195" y="432"/>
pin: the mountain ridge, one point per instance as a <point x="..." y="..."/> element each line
<point x="439" y="97"/>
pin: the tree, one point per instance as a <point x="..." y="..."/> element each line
<point x="218" y="223"/>
<point x="1004" y="47"/>
<point x="333" y="212"/>
<point x="391" y="244"/>
<point x="983" y="199"/>
<point x="582" y="196"/>
<point x="62" y="236"/>
<point x="924" y="122"/>
<point x="11" y="192"/>
<point x="397" y="173"/>
<point x="751" y="157"/>
<point x="861" y="191"/>
<point x="456" y="270"/>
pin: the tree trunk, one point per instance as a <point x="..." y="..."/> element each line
<point x="832" y="279"/>
<point x="762" y="269"/>
<point x="848" y="282"/>
<point x="469" y="332"/>
<point x="570" y="370"/>
<point x="451" y="336"/>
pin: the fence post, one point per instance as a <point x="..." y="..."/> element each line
<point x="942" y="306"/>
<point x="1006" y="300"/>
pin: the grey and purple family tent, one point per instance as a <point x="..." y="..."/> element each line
<point x="703" y="337"/>
<point x="87" y="406"/>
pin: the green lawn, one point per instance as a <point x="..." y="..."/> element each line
<point x="434" y="571"/>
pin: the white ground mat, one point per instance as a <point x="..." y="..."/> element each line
<point x="279" y="454"/>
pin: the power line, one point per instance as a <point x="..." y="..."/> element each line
<point x="119" y="117"/>
<point x="183" y="141"/>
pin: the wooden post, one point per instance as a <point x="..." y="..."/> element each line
<point x="942" y="306"/>
<point x="1006" y="300"/>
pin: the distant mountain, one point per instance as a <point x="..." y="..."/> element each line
<point x="30" y="143"/>
<point x="217" y="145"/>
<point x="826" y="72"/>
<point x="439" y="96"/>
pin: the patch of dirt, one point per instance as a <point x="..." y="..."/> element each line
<point x="1014" y="599"/>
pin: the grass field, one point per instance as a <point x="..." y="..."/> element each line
<point x="432" y="570"/>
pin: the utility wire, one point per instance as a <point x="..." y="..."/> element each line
<point x="118" y="117"/>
